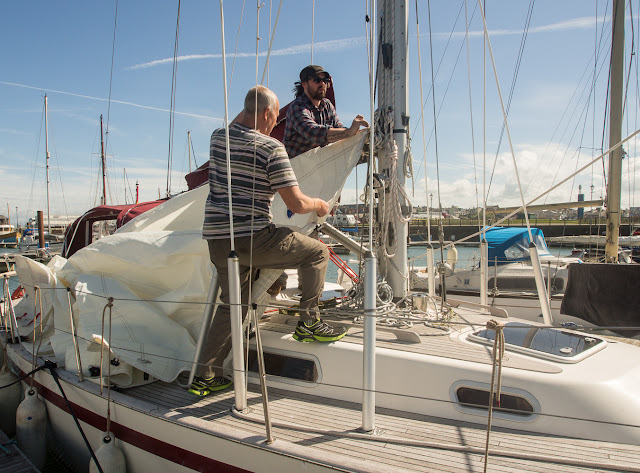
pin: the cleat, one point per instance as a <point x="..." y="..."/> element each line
<point x="318" y="331"/>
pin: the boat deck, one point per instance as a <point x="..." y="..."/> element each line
<point x="328" y="428"/>
<point x="404" y="442"/>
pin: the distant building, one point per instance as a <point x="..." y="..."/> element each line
<point x="58" y="223"/>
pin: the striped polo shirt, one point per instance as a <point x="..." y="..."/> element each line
<point x="252" y="189"/>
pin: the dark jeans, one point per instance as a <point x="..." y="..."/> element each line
<point x="273" y="248"/>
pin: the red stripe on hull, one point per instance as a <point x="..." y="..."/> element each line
<point x="140" y="440"/>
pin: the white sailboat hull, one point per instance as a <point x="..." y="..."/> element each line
<point x="511" y="278"/>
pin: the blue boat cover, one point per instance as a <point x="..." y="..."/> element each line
<point x="508" y="244"/>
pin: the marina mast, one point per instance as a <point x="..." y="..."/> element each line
<point x="614" y="185"/>
<point x="46" y="144"/>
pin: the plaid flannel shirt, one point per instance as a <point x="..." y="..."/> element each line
<point x="307" y="125"/>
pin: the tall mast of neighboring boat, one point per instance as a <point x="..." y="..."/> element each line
<point x="104" y="168"/>
<point x="189" y="149"/>
<point x="614" y="186"/>
<point x="393" y="104"/>
<point x="46" y="146"/>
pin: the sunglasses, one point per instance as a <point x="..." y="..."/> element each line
<point x="318" y="80"/>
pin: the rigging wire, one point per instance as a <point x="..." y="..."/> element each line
<point x="635" y="148"/>
<point x="606" y="115"/>
<point x="440" y="64"/>
<point x="35" y="166"/>
<point x="235" y="51"/>
<point x="193" y="152"/>
<point x="113" y="53"/>
<point x="591" y="93"/>
<point x="624" y="104"/>
<point x="514" y="80"/>
<point x="424" y="144"/>
<point x="273" y="35"/>
<point x="58" y="168"/>
<point x="435" y="134"/>
<point x="173" y="101"/>
<point x="435" y="126"/>
<point x="255" y="149"/>
<point x="513" y="156"/>
<point x="313" y="22"/>
<point x="473" y="140"/>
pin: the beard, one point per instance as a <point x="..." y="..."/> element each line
<point x="319" y="94"/>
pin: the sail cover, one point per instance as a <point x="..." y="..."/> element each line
<point x="156" y="267"/>
<point x="508" y="245"/>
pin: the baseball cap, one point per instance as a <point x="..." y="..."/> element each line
<point x="311" y="71"/>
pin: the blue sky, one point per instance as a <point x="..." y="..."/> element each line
<point x="64" y="49"/>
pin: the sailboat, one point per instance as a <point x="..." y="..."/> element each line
<point x="30" y="239"/>
<point x="509" y="264"/>
<point x="116" y="339"/>
<point x="608" y="294"/>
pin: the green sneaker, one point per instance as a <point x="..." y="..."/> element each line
<point x="318" y="331"/>
<point x="202" y="386"/>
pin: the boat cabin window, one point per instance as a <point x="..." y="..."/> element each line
<point x="560" y="344"/>
<point x="102" y="228"/>
<point x="520" y="249"/>
<point x="479" y="399"/>
<point x="285" y="366"/>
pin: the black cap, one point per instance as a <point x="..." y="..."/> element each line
<point x="311" y="71"/>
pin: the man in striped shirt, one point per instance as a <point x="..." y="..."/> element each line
<point x="259" y="167"/>
<point x="312" y="120"/>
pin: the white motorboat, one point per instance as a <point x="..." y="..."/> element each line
<point x="510" y="269"/>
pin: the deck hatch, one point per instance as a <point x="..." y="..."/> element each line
<point x="550" y="343"/>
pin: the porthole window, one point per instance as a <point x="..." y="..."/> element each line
<point x="479" y="399"/>
<point x="285" y="366"/>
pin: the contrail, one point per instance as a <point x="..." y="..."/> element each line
<point x="332" y="45"/>
<point x="101" y="99"/>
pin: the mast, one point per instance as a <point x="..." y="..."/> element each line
<point x="46" y="145"/>
<point x="189" y="149"/>
<point x="614" y="186"/>
<point x="104" y="168"/>
<point x="393" y="99"/>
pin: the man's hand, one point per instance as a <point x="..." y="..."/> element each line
<point x="299" y="203"/>
<point x="357" y="123"/>
<point x="337" y="134"/>
<point x="322" y="208"/>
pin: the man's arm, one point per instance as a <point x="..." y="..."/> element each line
<point x="300" y="203"/>
<point x="337" y="134"/>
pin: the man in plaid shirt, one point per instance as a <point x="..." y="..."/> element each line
<point x="312" y="119"/>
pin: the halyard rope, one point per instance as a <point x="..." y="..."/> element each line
<point x="496" y="378"/>
<point x="109" y="304"/>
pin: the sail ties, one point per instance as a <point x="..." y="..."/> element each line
<point x="496" y="378"/>
<point x="399" y="208"/>
<point x="396" y="211"/>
